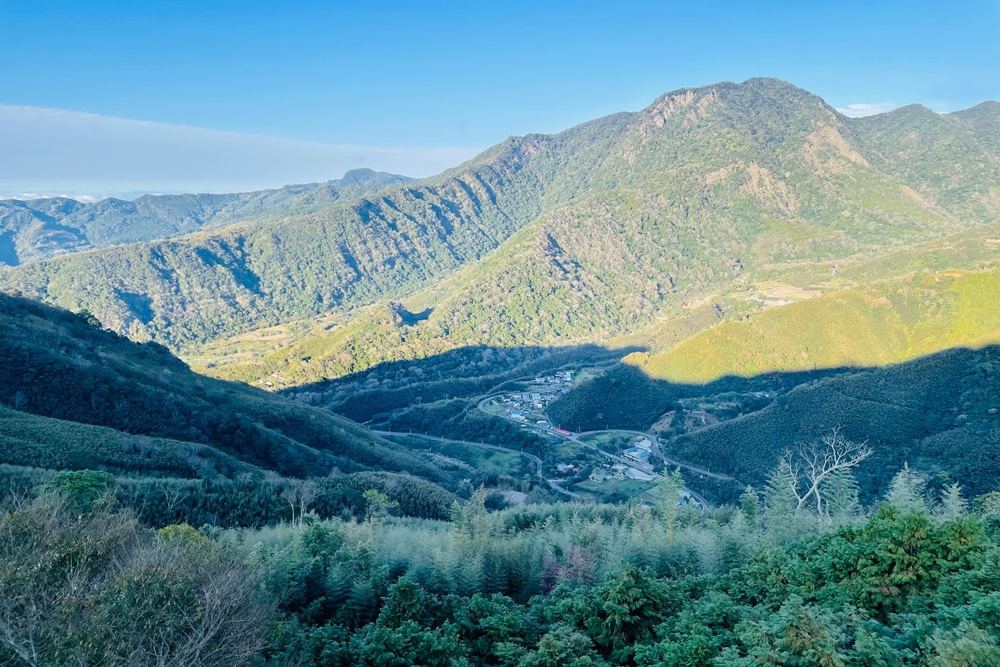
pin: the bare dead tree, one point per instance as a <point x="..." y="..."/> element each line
<point x="813" y="464"/>
<point x="299" y="497"/>
<point x="307" y="494"/>
<point x="290" y="494"/>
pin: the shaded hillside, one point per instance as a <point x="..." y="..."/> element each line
<point x="56" y="444"/>
<point x="595" y="231"/>
<point x="938" y="413"/>
<point x="58" y="365"/>
<point x="44" y="228"/>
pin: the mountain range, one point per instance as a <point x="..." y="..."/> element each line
<point x="731" y="233"/>
<point x="586" y="234"/>
<point x="40" y="229"/>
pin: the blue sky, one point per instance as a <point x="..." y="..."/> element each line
<point x="447" y="77"/>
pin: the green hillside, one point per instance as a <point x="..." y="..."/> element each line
<point x="587" y="234"/>
<point x="701" y="195"/>
<point x="34" y="441"/>
<point x="865" y="326"/>
<point x="59" y="366"/>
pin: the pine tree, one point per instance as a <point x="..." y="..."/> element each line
<point x="953" y="505"/>
<point x="669" y="491"/>
<point x="906" y="493"/>
<point x="840" y="490"/>
<point x="750" y="505"/>
<point x="780" y="499"/>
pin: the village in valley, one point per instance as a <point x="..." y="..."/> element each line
<point x="617" y="464"/>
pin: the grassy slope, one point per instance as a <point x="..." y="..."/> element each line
<point x="866" y="326"/>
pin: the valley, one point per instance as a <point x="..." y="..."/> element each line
<point x="642" y="392"/>
<point x="481" y="334"/>
<point x="671" y="272"/>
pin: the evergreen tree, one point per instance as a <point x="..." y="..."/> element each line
<point x="906" y="492"/>
<point x="668" y="489"/>
<point x="953" y="505"/>
<point x="750" y="505"/>
<point x="840" y="490"/>
<point x="780" y="499"/>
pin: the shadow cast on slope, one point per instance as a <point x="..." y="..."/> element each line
<point x="938" y="413"/>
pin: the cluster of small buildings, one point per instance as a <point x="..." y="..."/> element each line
<point x="530" y="405"/>
<point x="640" y="451"/>
<point x="563" y="380"/>
<point x="619" y="471"/>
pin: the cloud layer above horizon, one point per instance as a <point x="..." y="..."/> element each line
<point x="53" y="151"/>
<point x="867" y="109"/>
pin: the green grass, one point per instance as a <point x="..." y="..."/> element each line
<point x="872" y="326"/>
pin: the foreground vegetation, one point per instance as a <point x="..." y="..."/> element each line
<point x="915" y="581"/>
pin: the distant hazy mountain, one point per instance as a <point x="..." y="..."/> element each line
<point x="584" y="235"/>
<point x="44" y="228"/>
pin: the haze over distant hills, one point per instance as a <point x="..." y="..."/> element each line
<point x="88" y="155"/>
<point x="39" y="229"/>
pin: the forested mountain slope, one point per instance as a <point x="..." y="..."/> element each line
<point x="939" y="413"/>
<point x="699" y="196"/>
<point x="612" y="221"/>
<point x="59" y="372"/>
<point x="40" y="229"/>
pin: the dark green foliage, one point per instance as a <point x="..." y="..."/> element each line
<point x="166" y="420"/>
<point x="933" y="412"/>
<point x="898" y="589"/>
<point x="256" y="503"/>
<point x="81" y="489"/>
<point x="901" y="589"/>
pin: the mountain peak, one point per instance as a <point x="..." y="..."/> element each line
<point x="363" y="175"/>
<point x="984" y="112"/>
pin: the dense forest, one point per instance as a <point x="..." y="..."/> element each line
<point x="912" y="581"/>
<point x="61" y="375"/>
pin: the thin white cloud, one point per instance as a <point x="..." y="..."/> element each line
<point x="87" y="199"/>
<point x="53" y="150"/>
<point x="867" y="109"/>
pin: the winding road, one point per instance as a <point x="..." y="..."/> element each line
<point x="575" y="437"/>
<point x="497" y="448"/>
<point x="572" y="437"/>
